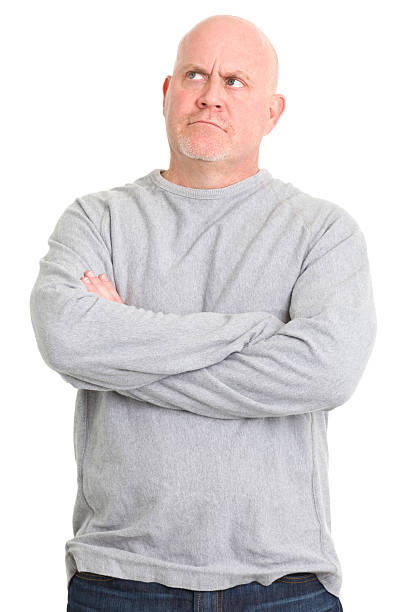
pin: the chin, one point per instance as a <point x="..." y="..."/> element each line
<point x="209" y="158"/>
<point x="193" y="151"/>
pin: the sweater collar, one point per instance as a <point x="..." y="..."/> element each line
<point x="248" y="184"/>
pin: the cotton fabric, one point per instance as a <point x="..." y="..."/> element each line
<point x="200" y="425"/>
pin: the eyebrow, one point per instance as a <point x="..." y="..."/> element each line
<point x="196" y="68"/>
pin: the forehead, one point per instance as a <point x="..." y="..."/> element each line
<point x="230" y="47"/>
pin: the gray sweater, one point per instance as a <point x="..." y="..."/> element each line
<point x="200" y="427"/>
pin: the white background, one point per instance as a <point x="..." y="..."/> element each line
<point x="82" y="112"/>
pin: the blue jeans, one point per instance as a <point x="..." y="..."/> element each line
<point x="300" y="592"/>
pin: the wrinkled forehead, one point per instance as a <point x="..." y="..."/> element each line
<point x="237" y="49"/>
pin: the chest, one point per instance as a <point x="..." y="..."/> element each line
<point x="230" y="261"/>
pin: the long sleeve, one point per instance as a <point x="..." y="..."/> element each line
<point x="313" y="362"/>
<point x="111" y="346"/>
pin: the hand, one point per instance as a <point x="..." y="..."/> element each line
<point x="101" y="285"/>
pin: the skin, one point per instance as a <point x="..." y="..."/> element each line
<point x="207" y="157"/>
<point x="245" y="110"/>
<point x="100" y="286"/>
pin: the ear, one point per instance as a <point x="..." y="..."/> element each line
<point x="276" y="107"/>
<point x="165" y="88"/>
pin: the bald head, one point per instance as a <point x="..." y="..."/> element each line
<point x="245" y="32"/>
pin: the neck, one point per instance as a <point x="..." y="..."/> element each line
<point x="200" y="174"/>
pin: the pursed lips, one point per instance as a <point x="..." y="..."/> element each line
<point x="209" y="123"/>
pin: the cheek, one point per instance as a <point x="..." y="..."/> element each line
<point x="246" y="125"/>
<point x="181" y="104"/>
<point x="250" y="122"/>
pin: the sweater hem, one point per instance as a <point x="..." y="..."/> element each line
<point x="195" y="578"/>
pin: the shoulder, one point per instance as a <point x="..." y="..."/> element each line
<point x="97" y="207"/>
<point x="317" y="213"/>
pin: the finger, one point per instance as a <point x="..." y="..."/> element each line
<point x="97" y="285"/>
<point x="100" y="287"/>
<point x="111" y="288"/>
<point x="89" y="284"/>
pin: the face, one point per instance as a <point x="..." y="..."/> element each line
<point x="221" y="77"/>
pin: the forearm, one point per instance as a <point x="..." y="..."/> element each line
<point x="313" y="362"/>
<point x="299" y="369"/>
<point x="118" y="347"/>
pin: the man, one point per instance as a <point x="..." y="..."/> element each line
<point x="210" y="317"/>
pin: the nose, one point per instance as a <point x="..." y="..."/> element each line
<point x="211" y="94"/>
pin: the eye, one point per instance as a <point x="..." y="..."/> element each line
<point x="191" y="72"/>
<point x="234" y="79"/>
<point x="228" y="79"/>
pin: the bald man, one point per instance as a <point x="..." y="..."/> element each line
<point x="210" y="316"/>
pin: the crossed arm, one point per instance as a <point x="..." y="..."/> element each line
<point x="245" y="365"/>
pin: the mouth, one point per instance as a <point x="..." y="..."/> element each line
<point x="209" y="123"/>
